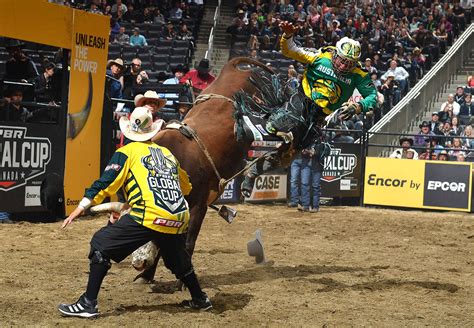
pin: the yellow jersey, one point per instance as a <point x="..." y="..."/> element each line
<point x="154" y="185"/>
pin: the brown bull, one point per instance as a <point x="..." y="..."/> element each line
<point x="213" y="122"/>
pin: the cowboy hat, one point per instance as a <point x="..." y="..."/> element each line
<point x="150" y="96"/>
<point x="403" y="139"/>
<point x="204" y="66"/>
<point x="424" y="124"/>
<point x="184" y="100"/>
<point x="118" y="62"/>
<point x="140" y="126"/>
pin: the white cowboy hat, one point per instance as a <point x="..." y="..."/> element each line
<point x="140" y="126"/>
<point x="149" y="95"/>
<point x="118" y="62"/>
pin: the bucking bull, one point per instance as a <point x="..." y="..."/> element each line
<point x="212" y="153"/>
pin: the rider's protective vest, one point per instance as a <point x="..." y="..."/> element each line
<point x="154" y="185"/>
<point x="320" y="82"/>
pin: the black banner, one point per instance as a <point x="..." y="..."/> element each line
<point x="447" y="185"/>
<point x="29" y="154"/>
<point x="342" y="171"/>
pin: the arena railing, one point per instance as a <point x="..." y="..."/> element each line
<point x="425" y="92"/>
<point x="210" y="42"/>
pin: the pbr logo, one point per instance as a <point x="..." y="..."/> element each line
<point x="338" y="165"/>
<point x="21" y="158"/>
<point x="163" y="181"/>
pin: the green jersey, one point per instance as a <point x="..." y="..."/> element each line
<point x="321" y="84"/>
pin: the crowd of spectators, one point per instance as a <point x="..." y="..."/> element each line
<point x="400" y="40"/>
<point x="449" y="135"/>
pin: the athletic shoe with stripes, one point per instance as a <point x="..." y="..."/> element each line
<point x="83" y="308"/>
<point x="203" y="304"/>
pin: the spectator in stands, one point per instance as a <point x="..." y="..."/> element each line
<point x="435" y="145"/>
<point x="14" y="111"/>
<point x="94" y="9"/>
<point x="133" y="77"/>
<point x="447" y="132"/>
<point x="467" y="108"/>
<point x="449" y="105"/>
<point x="114" y="71"/>
<point x="176" y="13"/>
<point x="391" y="91"/>
<point x="178" y="72"/>
<point x="43" y="90"/>
<point x="114" y="29"/>
<point x="200" y="77"/>
<point x="122" y="38"/>
<point x="461" y="157"/>
<point x="443" y="156"/>
<point x="169" y="33"/>
<point x="459" y="96"/>
<point x="434" y="124"/>
<point x="341" y="135"/>
<point x="412" y="154"/>
<point x="287" y="10"/>
<point x="184" y="105"/>
<point x="118" y="6"/>
<point x="131" y="15"/>
<point x="467" y="135"/>
<point x="455" y="126"/>
<point x="422" y="138"/>
<point x="185" y="34"/>
<point x="368" y="66"/>
<point x="148" y="15"/>
<point x="470" y="82"/>
<point x="293" y="79"/>
<point x="159" y="18"/>
<point x="457" y="147"/>
<point x="19" y="67"/>
<point x="400" y="74"/>
<point x="137" y="39"/>
<point x="406" y="144"/>
<point x="151" y="100"/>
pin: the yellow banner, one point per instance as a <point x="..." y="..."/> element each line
<point x="394" y="182"/>
<point x="418" y="184"/>
<point x="86" y="89"/>
<point x="36" y="21"/>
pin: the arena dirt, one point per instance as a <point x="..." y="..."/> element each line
<point x="339" y="267"/>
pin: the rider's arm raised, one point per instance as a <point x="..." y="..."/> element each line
<point x="291" y="50"/>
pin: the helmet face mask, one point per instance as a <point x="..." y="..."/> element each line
<point x="346" y="56"/>
<point x="342" y="65"/>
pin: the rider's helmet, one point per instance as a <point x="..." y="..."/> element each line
<point x="346" y="56"/>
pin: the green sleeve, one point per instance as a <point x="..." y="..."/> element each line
<point x="368" y="92"/>
<point x="111" y="180"/>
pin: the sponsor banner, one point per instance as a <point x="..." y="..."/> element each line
<point x="22" y="157"/>
<point x="89" y="46"/>
<point x="269" y="188"/>
<point x="418" y="184"/>
<point x="447" y="185"/>
<point x="342" y="171"/>
<point x="231" y="192"/>
<point x="32" y="196"/>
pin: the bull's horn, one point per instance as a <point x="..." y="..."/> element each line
<point x="77" y="121"/>
<point x="108" y="207"/>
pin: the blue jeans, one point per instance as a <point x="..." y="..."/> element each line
<point x="316" y="170"/>
<point x="300" y="174"/>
